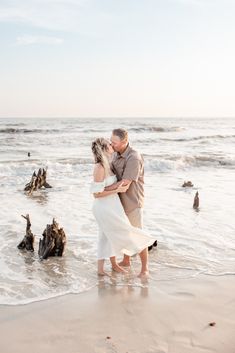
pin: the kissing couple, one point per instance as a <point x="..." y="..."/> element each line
<point x="118" y="190"/>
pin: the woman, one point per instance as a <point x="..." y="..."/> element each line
<point x="116" y="235"/>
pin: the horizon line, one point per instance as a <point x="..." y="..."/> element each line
<point x="117" y="117"/>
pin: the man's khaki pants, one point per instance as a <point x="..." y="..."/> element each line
<point x="136" y="217"/>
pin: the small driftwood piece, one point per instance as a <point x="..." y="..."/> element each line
<point x="196" y="201"/>
<point x="37" y="181"/>
<point x="53" y="241"/>
<point x="28" y="241"/>
<point x="187" y="184"/>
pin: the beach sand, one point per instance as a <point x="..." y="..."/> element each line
<point x="166" y="316"/>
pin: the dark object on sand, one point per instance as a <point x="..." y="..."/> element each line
<point x="212" y="323"/>
<point x="28" y="154"/>
<point x="28" y="241"/>
<point x="53" y="242"/>
<point x="187" y="184"/>
<point x="153" y="245"/>
<point x="37" y="181"/>
<point x="196" y="201"/>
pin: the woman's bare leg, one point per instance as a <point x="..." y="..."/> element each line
<point x="144" y="263"/>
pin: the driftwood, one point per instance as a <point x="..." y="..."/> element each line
<point x="196" y="201"/>
<point x="28" y="241"/>
<point x="37" y="181"/>
<point x="53" y="242"/>
<point x="153" y="245"/>
<point x="187" y="184"/>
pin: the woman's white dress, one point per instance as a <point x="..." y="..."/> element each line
<point x="116" y="235"/>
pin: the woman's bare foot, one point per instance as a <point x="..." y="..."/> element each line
<point x="117" y="268"/>
<point x="124" y="263"/>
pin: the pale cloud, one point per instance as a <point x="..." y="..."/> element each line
<point x="204" y="3"/>
<point x="13" y="14"/>
<point x="80" y="16"/>
<point x="30" y="40"/>
<point x="191" y="2"/>
<point x="52" y="14"/>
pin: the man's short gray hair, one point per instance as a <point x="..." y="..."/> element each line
<point x="121" y="133"/>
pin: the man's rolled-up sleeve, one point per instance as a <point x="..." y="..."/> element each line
<point x="132" y="169"/>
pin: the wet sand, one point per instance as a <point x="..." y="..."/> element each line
<point x="162" y="317"/>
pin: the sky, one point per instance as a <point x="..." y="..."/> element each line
<point x="117" y="58"/>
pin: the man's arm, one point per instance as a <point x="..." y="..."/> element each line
<point x="104" y="193"/>
<point x="124" y="182"/>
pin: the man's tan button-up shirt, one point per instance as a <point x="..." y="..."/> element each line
<point x="130" y="165"/>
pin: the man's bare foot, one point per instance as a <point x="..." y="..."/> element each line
<point x="124" y="263"/>
<point x="118" y="268"/>
<point x="143" y="274"/>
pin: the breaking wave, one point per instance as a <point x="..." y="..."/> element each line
<point x="13" y="130"/>
<point x="156" y="129"/>
<point x="183" y="162"/>
<point x="152" y="163"/>
<point x="210" y="137"/>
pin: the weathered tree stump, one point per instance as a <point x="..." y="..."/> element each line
<point x="37" y="181"/>
<point x="196" y="201"/>
<point x="28" y="241"/>
<point x="53" y="242"/>
<point x="187" y="184"/>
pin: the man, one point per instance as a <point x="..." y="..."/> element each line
<point x="128" y="165"/>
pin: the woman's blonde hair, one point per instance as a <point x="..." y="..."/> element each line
<point x="98" y="147"/>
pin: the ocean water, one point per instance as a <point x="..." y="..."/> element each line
<point x="175" y="150"/>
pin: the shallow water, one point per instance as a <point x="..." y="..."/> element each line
<point x="175" y="150"/>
